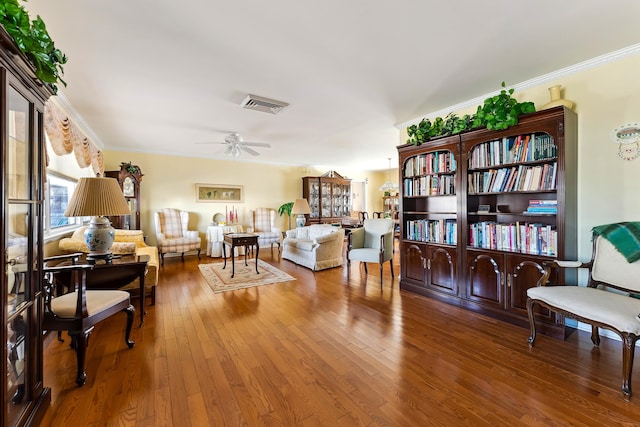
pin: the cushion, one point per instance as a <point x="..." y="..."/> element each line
<point x="618" y="310"/>
<point x="302" y="233"/>
<point x="316" y="231"/>
<point x="64" y="306"/>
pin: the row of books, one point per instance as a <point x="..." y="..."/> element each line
<point x="432" y="185"/>
<point x="516" y="149"/>
<point x="516" y="178"/>
<point x="542" y="207"/>
<point x="434" y="231"/>
<point x="530" y="238"/>
<point x="425" y="164"/>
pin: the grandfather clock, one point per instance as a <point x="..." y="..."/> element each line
<point x="129" y="177"/>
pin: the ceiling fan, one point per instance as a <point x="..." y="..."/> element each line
<point x="235" y="145"/>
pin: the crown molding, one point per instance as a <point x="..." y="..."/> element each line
<point x="63" y="102"/>
<point x="536" y="81"/>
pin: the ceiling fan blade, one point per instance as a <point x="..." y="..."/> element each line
<point x="210" y="142"/>
<point x="249" y="150"/>
<point x="256" y="144"/>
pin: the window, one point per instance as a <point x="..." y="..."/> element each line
<point x="59" y="191"/>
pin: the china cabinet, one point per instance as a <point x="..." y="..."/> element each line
<point x="129" y="177"/>
<point x="390" y="206"/>
<point x="482" y="211"/>
<point x="23" y="395"/>
<point x="329" y="198"/>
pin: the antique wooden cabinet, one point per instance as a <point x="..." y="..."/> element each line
<point x="514" y="208"/>
<point x="390" y="206"/>
<point x="129" y="177"/>
<point x="23" y="395"/>
<point x="329" y="198"/>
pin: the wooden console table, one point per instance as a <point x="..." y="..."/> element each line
<point x="245" y="240"/>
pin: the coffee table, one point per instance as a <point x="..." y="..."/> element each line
<point x="246" y="240"/>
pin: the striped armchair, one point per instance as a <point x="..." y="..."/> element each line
<point x="172" y="234"/>
<point x="264" y="225"/>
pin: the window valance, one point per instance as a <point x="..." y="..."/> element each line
<point x="66" y="138"/>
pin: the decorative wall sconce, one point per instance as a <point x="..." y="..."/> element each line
<point x="628" y="139"/>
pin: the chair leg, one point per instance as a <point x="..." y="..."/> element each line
<point x="79" y="339"/>
<point x="127" y="335"/>
<point x="153" y="295"/>
<point x="595" y="336"/>
<point x="381" y="264"/>
<point x="182" y="255"/>
<point x="162" y="258"/>
<point x="532" y="322"/>
<point x="365" y="268"/>
<point x="198" y="253"/>
<point x="391" y="265"/>
<point x="628" y="350"/>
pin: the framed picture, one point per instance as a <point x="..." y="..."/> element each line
<point x="219" y="193"/>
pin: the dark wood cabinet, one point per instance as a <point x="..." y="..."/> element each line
<point x="512" y="206"/>
<point x="23" y="395"/>
<point x="329" y="198"/>
<point x="129" y="177"/>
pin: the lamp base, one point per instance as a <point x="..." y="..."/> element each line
<point x="301" y="220"/>
<point x="99" y="237"/>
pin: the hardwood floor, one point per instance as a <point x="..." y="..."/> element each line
<point x="321" y="351"/>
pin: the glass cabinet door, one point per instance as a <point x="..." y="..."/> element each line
<point x="314" y="198"/>
<point x="20" y="287"/>
<point x="325" y="191"/>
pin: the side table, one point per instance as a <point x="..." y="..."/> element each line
<point x="245" y="240"/>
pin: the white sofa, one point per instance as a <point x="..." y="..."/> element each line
<point x="316" y="246"/>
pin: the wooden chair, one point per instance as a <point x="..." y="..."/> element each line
<point x="596" y="304"/>
<point x="362" y="216"/>
<point x="79" y="310"/>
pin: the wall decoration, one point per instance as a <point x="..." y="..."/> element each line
<point x="628" y="139"/>
<point x="219" y="193"/>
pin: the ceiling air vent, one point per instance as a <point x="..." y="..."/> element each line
<point x="266" y="105"/>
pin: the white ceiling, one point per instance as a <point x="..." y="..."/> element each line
<point x="160" y="76"/>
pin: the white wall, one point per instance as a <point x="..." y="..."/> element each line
<point x="605" y="97"/>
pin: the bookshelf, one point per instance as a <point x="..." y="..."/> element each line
<point x="507" y="207"/>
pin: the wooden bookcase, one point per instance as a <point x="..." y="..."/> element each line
<point x="483" y="244"/>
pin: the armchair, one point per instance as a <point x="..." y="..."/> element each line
<point x="172" y="233"/>
<point x="372" y="243"/>
<point x="264" y="225"/>
<point x="79" y="310"/>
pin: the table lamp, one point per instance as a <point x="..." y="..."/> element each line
<point x="98" y="197"/>
<point x="300" y="208"/>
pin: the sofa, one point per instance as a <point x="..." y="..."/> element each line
<point x="124" y="242"/>
<point x="316" y="246"/>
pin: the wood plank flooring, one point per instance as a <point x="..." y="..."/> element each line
<point x="322" y="351"/>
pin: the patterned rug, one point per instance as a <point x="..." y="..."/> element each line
<point x="220" y="280"/>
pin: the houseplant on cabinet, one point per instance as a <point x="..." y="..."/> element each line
<point x="34" y="41"/>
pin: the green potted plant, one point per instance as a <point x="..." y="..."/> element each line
<point x="501" y="111"/>
<point x="34" y="41"/>
<point x="286" y="209"/>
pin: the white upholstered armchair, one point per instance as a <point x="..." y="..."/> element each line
<point x="172" y="233"/>
<point x="264" y="225"/>
<point x="372" y="243"/>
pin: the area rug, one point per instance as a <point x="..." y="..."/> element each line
<point x="220" y="280"/>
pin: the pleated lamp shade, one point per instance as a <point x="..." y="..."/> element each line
<point x="300" y="208"/>
<point x="98" y="198"/>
